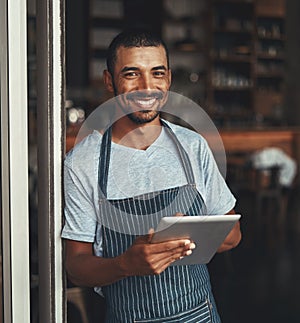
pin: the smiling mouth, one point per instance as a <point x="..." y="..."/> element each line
<point x="145" y="100"/>
<point x="145" y="103"/>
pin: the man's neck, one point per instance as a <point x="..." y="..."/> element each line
<point x="139" y="136"/>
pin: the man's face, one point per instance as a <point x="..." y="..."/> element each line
<point x="142" y="78"/>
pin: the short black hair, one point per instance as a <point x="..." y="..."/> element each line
<point x="132" y="38"/>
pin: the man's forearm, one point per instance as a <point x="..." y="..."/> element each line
<point x="232" y="240"/>
<point x="90" y="270"/>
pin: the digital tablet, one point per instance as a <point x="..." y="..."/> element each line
<point x="207" y="231"/>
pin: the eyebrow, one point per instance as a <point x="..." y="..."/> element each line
<point x="161" y="67"/>
<point x="129" y="68"/>
<point x="132" y="68"/>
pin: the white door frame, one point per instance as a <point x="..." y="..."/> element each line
<point x="14" y="161"/>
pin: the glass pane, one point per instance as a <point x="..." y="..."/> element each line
<point x="265" y="263"/>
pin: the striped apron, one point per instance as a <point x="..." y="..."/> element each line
<point x="180" y="293"/>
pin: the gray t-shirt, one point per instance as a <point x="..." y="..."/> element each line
<point x="134" y="172"/>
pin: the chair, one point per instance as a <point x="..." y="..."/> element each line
<point x="275" y="172"/>
<point x="270" y="202"/>
<point x="260" y="189"/>
<point x="77" y="297"/>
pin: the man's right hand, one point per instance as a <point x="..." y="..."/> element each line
<point x="146" y="258"/>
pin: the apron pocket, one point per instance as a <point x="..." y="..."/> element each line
<point x="199" y="314"/>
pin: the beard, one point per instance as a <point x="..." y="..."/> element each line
<point x="144" y="116"/>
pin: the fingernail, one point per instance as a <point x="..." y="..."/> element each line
<point x="189" y="252"/>
<point x="192" y="246"/>
<point x="181" y="257"/>
<point x="186" y="242"/>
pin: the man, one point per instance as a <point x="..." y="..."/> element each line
<point x="133" y="274"/>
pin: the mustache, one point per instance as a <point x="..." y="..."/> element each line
<point x="142" y="95"/>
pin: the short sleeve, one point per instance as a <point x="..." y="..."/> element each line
<point x="219" y="198"/>
<point x="79" y="210"/>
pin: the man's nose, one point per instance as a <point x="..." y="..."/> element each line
<point x="146" y="83"/>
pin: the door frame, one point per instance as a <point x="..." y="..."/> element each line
<point x="14" y="162"/>
<point x="14" y="159"/>
<point x="51" y="143"/>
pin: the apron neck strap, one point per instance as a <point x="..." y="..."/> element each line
<point x="186" y="163"/>
<point x="104" y="160"/>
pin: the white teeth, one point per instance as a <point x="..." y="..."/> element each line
<point x="145" y="103"/>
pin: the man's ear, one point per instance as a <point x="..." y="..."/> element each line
<point x="108" y="81"/>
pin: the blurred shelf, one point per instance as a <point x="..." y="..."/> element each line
<point x="262" y="55"/>
<point x="233" y="58"/>
<point x="270" y="75"/>
<point x="232" y="88"/>
<point x="247" y="46"/>
<point x="238" y="31"/>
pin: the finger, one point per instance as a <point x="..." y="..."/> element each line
<point x="179" y="214"/>
<point x="176" y="253"/>
<point x="162" y="262"/>
<point x="170" y="254"/>
<point x="150" y="234"/>
<point x="167" y="246"/>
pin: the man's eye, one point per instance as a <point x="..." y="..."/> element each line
<point x="130" y="74"/>
<point x="159" y="73"/>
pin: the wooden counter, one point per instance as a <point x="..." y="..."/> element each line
<point x="247" y="141"/>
